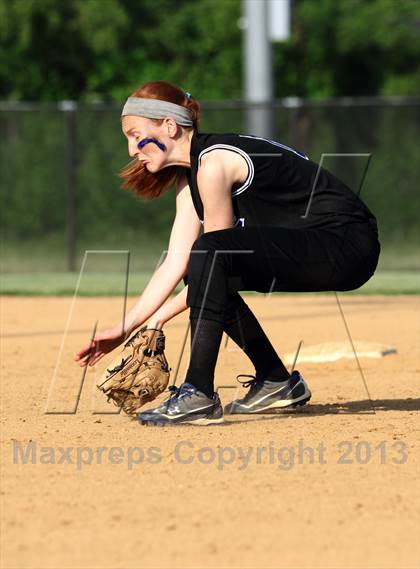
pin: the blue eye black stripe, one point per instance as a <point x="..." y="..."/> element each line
<point x="147" y="140"/>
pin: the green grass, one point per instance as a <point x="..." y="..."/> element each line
<point x="38" y="267"/>
<point x="49" y="254"/>
<point x="64" y="284"/>
<point x="112" y="283"/>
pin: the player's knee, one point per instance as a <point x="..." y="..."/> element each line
<point x="206" y="242"/>
<point x="206" y="254"/>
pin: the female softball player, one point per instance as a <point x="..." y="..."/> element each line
<point x="251" y="214"/>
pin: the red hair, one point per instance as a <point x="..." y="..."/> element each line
<point x="147" y="185"/>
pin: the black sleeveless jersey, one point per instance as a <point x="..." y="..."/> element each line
<point x="283" y="187"/>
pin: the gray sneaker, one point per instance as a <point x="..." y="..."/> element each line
<point x="265" y="396"/>
<point x="187" y="405"/>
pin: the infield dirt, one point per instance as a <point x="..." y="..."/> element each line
<point x="334" y="484"/>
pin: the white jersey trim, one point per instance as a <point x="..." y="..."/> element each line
<point x="275" y="143"/>
<point x="251" y="171"/>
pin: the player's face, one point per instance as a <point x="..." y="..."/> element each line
<point x="145" y="141"/>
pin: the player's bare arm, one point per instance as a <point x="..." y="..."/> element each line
<point x="185" y="230"/>
<point x="219" y="171"/>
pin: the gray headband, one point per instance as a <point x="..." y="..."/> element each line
<point x="157" y="109"/>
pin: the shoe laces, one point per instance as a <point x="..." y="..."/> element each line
<point x="175" y="391"/>
<point x="178" y="392"/>
<point x="254" y="384"/>
<point x="248" y="383"/>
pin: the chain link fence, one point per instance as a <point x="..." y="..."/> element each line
<point x="60" y="190"/>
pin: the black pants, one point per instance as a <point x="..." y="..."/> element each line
<point x="334" y="258"/>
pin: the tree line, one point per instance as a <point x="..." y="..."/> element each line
<point x="103" y="49"/>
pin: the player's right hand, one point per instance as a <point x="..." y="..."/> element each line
<point x="101" y="344"/>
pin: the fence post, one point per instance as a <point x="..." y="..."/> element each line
<point x="258" y="69"/>
<point x="70" y="137"/>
